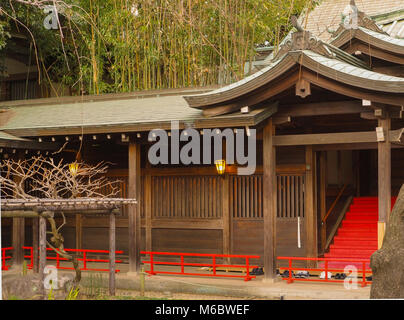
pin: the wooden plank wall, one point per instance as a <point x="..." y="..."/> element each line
<point x="187" y="216"/>
<point x="247" y="220"/>
<point x="187" y="197"/>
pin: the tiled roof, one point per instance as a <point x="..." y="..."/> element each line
<point x="383" y="37"/>
<point x="327" y="15"/>
<point x="110" y="116"/>
<point x="100" y="113"/>
<point x="356" y="72"/>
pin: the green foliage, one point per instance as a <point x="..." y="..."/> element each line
<point x="51" y="296"/>
<point x="73" y="293"/>
<point x="127" y="45"/>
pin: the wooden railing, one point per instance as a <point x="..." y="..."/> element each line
<point x="338" y="222"/>
<point x="334" y="204"/>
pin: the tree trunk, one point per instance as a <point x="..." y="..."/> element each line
<point x="388" y="263"/>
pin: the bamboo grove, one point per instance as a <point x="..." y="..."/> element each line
<point x="128" y="45"/>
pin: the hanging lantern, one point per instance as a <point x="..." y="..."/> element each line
<point x="74" y="168"/>
<point x="220" y="166"/>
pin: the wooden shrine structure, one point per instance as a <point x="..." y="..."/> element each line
<point x="329" y="122"/>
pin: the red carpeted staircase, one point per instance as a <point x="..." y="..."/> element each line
<point x="357" y="235"/>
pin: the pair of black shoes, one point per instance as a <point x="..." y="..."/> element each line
<point x="302" y="275"/>
<point x="257" y="271"/>
<point x="285" y="274"/>
<point x="340" y="276"/>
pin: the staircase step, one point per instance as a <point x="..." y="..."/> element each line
<point x="359" y="228"/>
<point x="352" y="251"/>
<point x="350" y="255"/>
<point x="364" y="210"/>
<point x="356" y="222"/>
<point x="336" y="247"/>
<point x="360" y="216"/>
<point x="359" y="224"/>
<point x="355" y="242"/>
<point x="357" y="234"/>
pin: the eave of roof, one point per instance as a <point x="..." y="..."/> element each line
<point x="331" y="68"/>
<point x="9" y="137"/>
<point x="375" y="39"/>
<point x="114" y="116"/>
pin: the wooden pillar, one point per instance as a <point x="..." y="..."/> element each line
<point x="384" y="178"/>
<point x="112" y="248"/>
<point x="18" y="236"/>
<point x="35" y="244"/>
<point x="134" y="191"/>
<point x="323" y="196"/>
<point x="18" y="241"/>
<point x="226" y="216"/>
<point x="148" y="211"/>
<point x="269" y="201"/>
<point x="310" y="206"/>
<point x="79" y="231"/>
<point x="42" y="250"/>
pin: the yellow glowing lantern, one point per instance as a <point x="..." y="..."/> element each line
<point x="73" y="168"/>
<point x="220" y="166"/>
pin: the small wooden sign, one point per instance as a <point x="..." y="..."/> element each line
<point x="380" y="134"/>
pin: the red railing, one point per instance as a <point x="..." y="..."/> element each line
<point x="4" y="258"/>
<point x="327" y="268"/>
<point x="214" y="265"/>
<point x="59" y="258"/>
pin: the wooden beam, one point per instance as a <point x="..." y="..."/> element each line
<point x="321" y="108"/>
<point x="134" y="191"/>
<point x="303" y="88"/>
<point x="211" y="224"/>
<point x="30" y="145"/>
<point x="112" y="248"/>
<point x="269" y="201"/>
<point x="310" y="206"/>
<point x="352" y="146"/>
<point x="333" y="138"/>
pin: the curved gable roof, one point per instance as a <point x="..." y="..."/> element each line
<point x="332" y="68"/>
